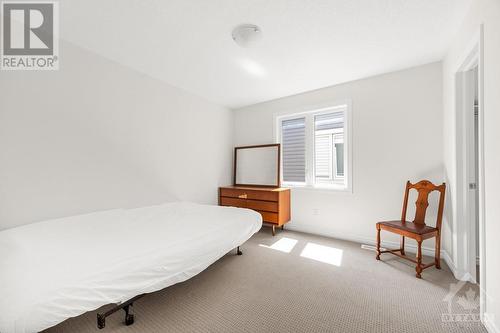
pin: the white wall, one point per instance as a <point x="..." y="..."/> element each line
<point x="397" y="136"/>
<point x="96" y="135"/>
<point x="485" y="12"/>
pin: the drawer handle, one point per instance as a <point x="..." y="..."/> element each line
<point x="243" y="196"/>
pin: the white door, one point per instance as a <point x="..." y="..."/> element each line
<point x="471" y="169"/>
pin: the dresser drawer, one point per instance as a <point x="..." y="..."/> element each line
<point x="268" y="206"/>
<point x="249" y="194"/>
<point x="269" y="217"/>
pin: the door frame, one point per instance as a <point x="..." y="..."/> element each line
<point x="466" y="232"/>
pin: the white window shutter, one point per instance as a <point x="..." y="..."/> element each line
<point x="293" y="141"/>
<point x="323" y="156"/>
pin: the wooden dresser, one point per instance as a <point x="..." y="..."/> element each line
<point x="272" y="203"/>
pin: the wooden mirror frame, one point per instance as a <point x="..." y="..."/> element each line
<point x="278" y="168"/>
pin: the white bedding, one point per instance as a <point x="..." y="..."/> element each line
<point x="57" y="269"/>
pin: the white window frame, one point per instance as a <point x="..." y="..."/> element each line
<point x="310" y="183"/>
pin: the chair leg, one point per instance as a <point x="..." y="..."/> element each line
<point x="437" y="255"/>
<point x="403" y="245"/>
<point x="378" y="244"/>
<point x="419" y="260"/>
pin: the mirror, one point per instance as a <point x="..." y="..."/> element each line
<point x="257" y="165"/>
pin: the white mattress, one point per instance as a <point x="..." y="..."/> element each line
<point x="57" y="269"/>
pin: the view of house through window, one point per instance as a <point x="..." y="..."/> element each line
<point x="313" y="148"/>
<point x="329" y="147"/>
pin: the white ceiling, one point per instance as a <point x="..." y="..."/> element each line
<point x="306" y="45"/>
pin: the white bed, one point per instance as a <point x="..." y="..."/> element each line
<point x="57" y="269"/>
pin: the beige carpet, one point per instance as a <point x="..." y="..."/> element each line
<point x="266" y="290"/>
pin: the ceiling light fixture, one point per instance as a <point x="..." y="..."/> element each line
<point x="246" y="35"/>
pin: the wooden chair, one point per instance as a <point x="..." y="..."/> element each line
<point x="417" y="229"/>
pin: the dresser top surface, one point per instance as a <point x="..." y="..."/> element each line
<point x="256" y="188"/>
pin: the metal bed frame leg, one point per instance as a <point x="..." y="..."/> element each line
<point x="129" y="314"/>
<point x="238" y="251"/>
<point x="101" y="321"/>
<point x="125" y="306"/>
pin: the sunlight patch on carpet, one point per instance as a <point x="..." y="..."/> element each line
<point x="322" y="253"/>
<point x="284" y="245"/>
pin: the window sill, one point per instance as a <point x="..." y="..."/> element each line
<point x="319" y="188"/>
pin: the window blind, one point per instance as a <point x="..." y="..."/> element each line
<point x="329" y="121"/>
<point x="293" y="141"/>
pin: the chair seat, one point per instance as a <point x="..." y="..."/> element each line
<point x="419" y="229"/>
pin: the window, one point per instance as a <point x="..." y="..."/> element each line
<point x="315" y="148"/>
<point x="293" y="136"/>
<point x="329" y="147"/>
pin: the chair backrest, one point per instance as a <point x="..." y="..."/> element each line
<point x="424" y="188"/>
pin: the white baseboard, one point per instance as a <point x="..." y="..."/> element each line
<point x="321" y="231"/>
<point x="449" y="261"/>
